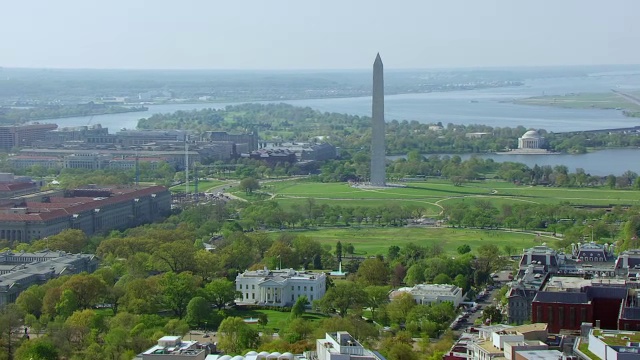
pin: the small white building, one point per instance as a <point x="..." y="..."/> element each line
<point x="432" y="293"/>
<point x="173" y="348"/>
<point x="279" y="287"/>
<point x="342" y="346"/>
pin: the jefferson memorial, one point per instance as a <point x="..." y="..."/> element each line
<point x="531" y="140"/>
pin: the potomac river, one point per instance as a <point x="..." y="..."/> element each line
<point x="491" y="107"/>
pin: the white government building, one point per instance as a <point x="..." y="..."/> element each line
<point x="432" y="293"/>
<point x="279" y="287"/>
<point x="531" y="140"/>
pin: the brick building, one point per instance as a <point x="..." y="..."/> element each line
<point x="90" y="210"/>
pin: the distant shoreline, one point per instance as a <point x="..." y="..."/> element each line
<point x="527" y="152"/>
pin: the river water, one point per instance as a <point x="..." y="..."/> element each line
<point x="486" y="106"/>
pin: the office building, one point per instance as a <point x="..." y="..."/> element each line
<point x="432" y="293"/>
<point x="23" y="135"/>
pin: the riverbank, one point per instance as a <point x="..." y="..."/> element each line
<point x="62" y="113"/>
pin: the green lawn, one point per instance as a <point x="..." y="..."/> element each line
<point x="278" y="320"/>
<point x="433" y="194"/>
<point x="203" y="186"/>
<point x="376" y="240"/>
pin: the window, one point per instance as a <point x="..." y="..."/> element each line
<point x="312" y="288"/>
<point x="253" y="296"/>
<point x="291" y="288"/>
<point x="291" y="297"/>
<point x="311" y="297"/>
<point x="298" y="287"/>
<point x="305" y="288"/>
<point x="253" y="287"/>
<point x="247" y="286"/>
<point x="247" y="296"/>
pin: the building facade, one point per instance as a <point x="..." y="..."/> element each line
<point x="279" y="287"/>
<point x="20" y="270"/>
<point x="23" y="135"/>
<point x="92" y="211"/>
<point x="342" y="346"/>
<point x="432" y="293"/>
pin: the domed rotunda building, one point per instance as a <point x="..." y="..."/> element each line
<point x="531" y="140"/>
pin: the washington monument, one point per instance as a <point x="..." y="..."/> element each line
<point x="378" y="171"/>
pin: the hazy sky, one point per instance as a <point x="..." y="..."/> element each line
<point x="316" y="34"/>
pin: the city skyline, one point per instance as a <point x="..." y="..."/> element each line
<point x="292" y="35"/>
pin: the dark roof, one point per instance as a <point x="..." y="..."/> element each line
<point x="561" y="297"/>
<point x="631" y="313"/>
<point x="606" y="292"/>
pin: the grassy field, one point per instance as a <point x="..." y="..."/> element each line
<point x="434" y="194"/>
<point x="372" y="241"/>
<point x="583" y="101"/>
<point x="277" y="319"/>
<point x="203" y="186"/>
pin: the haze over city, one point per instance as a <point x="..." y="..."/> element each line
<point x="330" y="34"/>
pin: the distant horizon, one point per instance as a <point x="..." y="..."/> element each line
<point x="363" y="69"/>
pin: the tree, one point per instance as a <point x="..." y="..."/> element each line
<point x="70" y="240"/>
<point x="399" y="308"/>
<point x="88" y="289"/>
<point x="298" y="308"/>
<point x="442" y="279"/>
<point x="197" y="310"/>
<point x="350" y="249"/>
<point x="220" y="292"/>
<point x="30" y="300"/>
<point x="491" y="314"/>
<point x="37" y="349"/>
<point x="298" y="329"/>
<point x="236" y="335"/>
<point x="373" y="272"/>
<point x="339" y="251"/>
<point x="68" y="304"/>
<point x="10" y="320"/>
<point x="376" y="296"/>
<point x="248" y="185"/>
<point x="342" y="297"/>
<point x="178" y="290"/>
<point x="463" y="249"/>
<point x="263" y="319"/>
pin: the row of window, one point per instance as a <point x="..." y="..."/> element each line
<point x="253" y="287"/>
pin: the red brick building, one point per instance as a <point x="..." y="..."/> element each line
<point x="568" y="310"/>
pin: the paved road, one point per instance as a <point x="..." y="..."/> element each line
<point x="488" y="300"/>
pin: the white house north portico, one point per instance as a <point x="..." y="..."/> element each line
<point x="279" y="287"/>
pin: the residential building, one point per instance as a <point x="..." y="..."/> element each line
<point x="174" y="348"/>
<point x="539" y="354"/>
<point x="432" y="293"/>
<point x="342" y="346"/>
<point x="20" y="270"/>
<point x="91" y="210"/>
<point x="614" y="345"/>
<point x="592" y="252"/>
<point x="279" y="287"/>
<point x="253" y="355"/>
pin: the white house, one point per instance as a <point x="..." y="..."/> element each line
<point x="432" y="293"/>
<point x="279" y="287"/>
